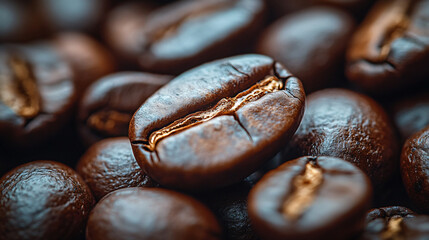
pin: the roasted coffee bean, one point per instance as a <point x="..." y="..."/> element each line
<point x="386" y="223"/>
<point x="415" y="168"/>
<point x="143" y="213"/>
<point x="89" y="59"/>
<point x="411" y="114"/>
<point x="108" y="105"/>
<point x="110" y="165"/>
<point x="310" y="198"/>
<point x="299" y="41"/>
<point x="188" y="33"/>
<point x="341" y="123"/>
<point x="123" y="27"/>
<point x="215" y="124"/>
<point x="36" y="94"/>
<point x="43" y="200"/>
<point x="19" y="22"/>
<point x="390" y="49"/>
<point x="75" y="15"/>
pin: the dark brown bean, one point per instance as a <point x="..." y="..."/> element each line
<point x="386" y="223"/>
<point x="108" y="105"/>
<point x="189" y="33"/>
<point x="139" y="213"/>
<point x="415" y="168"/>
<point x="351" y="126"/>
<point x="43" y="200"/>
<point x="123" y="28"/>
<point x="110" y="165"/>
<point x="310" y="198"/>
<point x="217" y="123"/>
<point x="311" y="43"/>
<point x="36" y="94"/>
<point x="390" y="50"/>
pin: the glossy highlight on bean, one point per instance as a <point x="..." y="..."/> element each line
<point x="305" y="188"/>
<point x="20" y="92"/>
<point x="226" y="106"/>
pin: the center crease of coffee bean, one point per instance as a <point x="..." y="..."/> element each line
<point x="226" y="106"/>
<point x="109" y="122"/>
<point x="393" y="230"/>
<point x="304" y="191"/>
<point x="20" y="92"/>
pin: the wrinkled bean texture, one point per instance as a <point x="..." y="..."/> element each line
<point x="348" y="125"/>
<point x="43" y="200"/>
<point x="110" y="165"/>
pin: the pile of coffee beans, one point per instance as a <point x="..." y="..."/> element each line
<point x="214" y="119"/>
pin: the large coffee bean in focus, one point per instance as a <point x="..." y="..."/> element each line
<point x="216" y="124"/>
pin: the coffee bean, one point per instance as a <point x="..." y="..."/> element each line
<point x="123" y="27"/>
<point x="386" y="222"/>
<point x="89" y="59"/>
<point x="414" y="168"/>
<point x="188" y="33"/>
<point x="411" y="114"/>
<point x="341" y="123"/>
<point x="36" y="94"/>
<point x="389" y="50"/>
<point x="299" y="41"/>
<point x="110" y="165"/>
<point x="108" y="105"/>
<point x="43" y="200"/>
<point x="310" y="198"/>
<point x="217" y="123"/>
<point x="139" y="213"/>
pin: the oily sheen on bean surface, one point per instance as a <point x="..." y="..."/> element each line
<point x="345" y="124"/>
<point x="217" y="123"/>
<point x="310" y="198"/>
<point x="43" y="200"/>
<point x="143" y="213"/>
